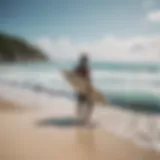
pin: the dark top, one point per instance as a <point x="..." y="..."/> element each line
<point x="83" y="71"/>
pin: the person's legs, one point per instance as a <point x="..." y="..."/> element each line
<point x="84" y="109"/>
<point x="89" y="111"/>
<point x="79" y="109"/>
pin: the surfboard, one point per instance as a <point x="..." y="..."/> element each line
<point x="80" y="85"/>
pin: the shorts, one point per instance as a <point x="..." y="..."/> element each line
<point x="82" y="98"/>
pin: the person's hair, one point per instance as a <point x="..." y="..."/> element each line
<point x="84" y="57"/>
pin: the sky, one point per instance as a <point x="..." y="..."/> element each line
<point x="105" y="29"/>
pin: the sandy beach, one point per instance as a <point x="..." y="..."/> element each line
<point x="65" y="63"/>
<point x="35" y="134"/>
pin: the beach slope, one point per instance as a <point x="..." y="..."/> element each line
<point x="35" y="135"/>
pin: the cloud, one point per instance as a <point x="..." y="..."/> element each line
<point x="108" y="48"/>
<point x="154" y="16"/>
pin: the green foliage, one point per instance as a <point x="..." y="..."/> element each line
<point x="16" y="49"/>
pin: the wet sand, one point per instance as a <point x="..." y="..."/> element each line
<point x="35" y="135"/>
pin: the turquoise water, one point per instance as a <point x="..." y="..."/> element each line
<point x="130" y="84"/>
<point x="114" y="66"/>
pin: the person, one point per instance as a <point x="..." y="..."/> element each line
<point x="84" y="104"/>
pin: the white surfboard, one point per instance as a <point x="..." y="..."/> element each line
<point x="81" y="85"/>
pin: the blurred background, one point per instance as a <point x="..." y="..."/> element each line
<point x="38" y="38"/>
<point x="122" y="39"/>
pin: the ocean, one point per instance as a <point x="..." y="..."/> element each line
<point x="130" y="85"/>
<point x="133" y="90"/>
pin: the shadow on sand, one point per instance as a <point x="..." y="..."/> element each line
<point x="60" y="122"/>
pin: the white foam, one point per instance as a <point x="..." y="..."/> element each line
<point x="104" y="80"/>
<point x="142" y="129"/>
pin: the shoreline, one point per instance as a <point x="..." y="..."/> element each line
<point x="22" y="137"/>
<point x="142" y="129"/>
<point x="137" y="106"/>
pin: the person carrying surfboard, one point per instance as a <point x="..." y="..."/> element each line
<point x="84" y="104"/>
